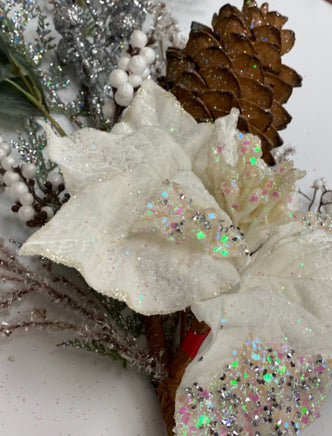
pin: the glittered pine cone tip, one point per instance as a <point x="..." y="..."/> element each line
<point x="237" y="63"/>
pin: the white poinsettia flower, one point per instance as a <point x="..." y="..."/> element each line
<point x="140" y="225"/>
<point x="263" y="356"/>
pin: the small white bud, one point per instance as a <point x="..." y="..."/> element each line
<point x="117" y="78"/>
<point x="135" y="80"/>
<point x="29" y="171"/>
<point x="122" y="101"/>
<point x="109" y="109"/>
<point x="16" y="190"/>
<point x="126" y="90"/>
<point x="138" y="39"/>
<point x="148" y="54"/>
<point x="318" y="183"/>
<point x="49" y="211"/>
<point x="123" y="63"/>
<point x="146" y="73"/>
<point x="8" y="162"/>
<point x="137" y="64"/>
<point x="11" y="177"/>
<point x="26" y="213"/>
<point x="5" y="147"/>
<point x="56" y="179"/>
<point x="3" y="154"/>
<point x="26" y="199"/>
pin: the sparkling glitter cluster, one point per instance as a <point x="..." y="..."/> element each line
<point x="177" y="218"/>
<point x="264" y="391"/>
<point x="312" y="220"/>
<point x="15" y="17"/>
<point x="93" y="35"/>
<point x="249" y="191"/>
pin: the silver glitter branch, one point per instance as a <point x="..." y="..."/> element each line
<point x="93" y="34"/>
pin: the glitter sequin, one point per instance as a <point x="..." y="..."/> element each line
<point x="266" y="390"/>
<point x="177" y="218"/>
<point x="245" y="186"/>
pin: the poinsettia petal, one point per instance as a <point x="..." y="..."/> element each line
<point x="153" y="106"/>
<point x="232" y="169"/>
<point x="89" y="155"/>
<point x="284" y="302"/>
<point x="93" y="233"/>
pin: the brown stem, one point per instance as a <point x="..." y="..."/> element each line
<point x="156" y="339"/>
<point x="167" y="387"/>
<point x="184" y="325"/>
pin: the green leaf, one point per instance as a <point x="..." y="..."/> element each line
<point x="13" y="103"/>
<point x="25" y="65"/>
<point x="3" y="57"/>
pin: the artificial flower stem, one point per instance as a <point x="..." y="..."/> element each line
<point x="156" y="339"/>
<point x="184" y="325"/>
<point x="40" y="106"/>
<point x="167" y="387"/>
<point x="54" y="123"/>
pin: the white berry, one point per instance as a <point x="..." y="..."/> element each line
<point x="7" y="162"/>
<point x="5" y="147"/>
<point x="135" y="80"/>
<point x="3" y="154"/>
<point x="117" y="78"/>
<point x="123" y="62"/>
<point x="148" y="54"/>
<point x="29" y="171"/>
<point x="137" y="64"/>
<point x="122" y="101"/>
<point x="126" y="90"/>
<point x="146" y="73"/>
<point x="49" y="212"/>
<point x="16" y="190"/>
<point x="11" y="177"/>
<point x="26" y="199"/>
<point x="109" y="109"/>
<point x="26" y="213"/>
<point x="55" y="179"/>
<point x="138" y="39"/>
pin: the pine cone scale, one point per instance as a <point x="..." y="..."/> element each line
<point x="258" y="117"/>
<point x="200" y="40"/>
<point x="219" y="103"/>
<point x="248" y="66"/>
<point x="221" y="78"/>
<point x="237" y="63"/>
<point x="269" y="55"/>
<point x="256" y="93"/>
<point x="280" y="116"/>
<point x="268" y="34"/>
<point x="281" y="90"/>
<point x="212" y="57"/>
<point x="290" y="76"/>
<point x="287" y="41"/>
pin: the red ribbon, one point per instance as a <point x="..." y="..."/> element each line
<point x="193" y="342"/>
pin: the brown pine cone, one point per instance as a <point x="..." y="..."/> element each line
<point x="237" y="63"/>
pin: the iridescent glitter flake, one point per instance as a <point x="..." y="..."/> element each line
<point x="264" y="391"/>
<point x="245" y="187"/>
<point x="178" y="219"/>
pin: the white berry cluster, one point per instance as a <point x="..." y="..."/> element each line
<point x="132" y="69"/>
<point x="20" y="182"/>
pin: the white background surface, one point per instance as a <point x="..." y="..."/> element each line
<point x="49" y="391"/>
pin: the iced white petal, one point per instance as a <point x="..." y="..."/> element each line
<point x="285" y="297"/>
<point x="111" y="177"/>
